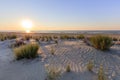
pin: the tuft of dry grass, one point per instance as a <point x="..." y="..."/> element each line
<point x="101" y="42"/>
<point x="53" y="73"/>
<point x="6" y="36"/>
<point x="28" y="51"/>
<point x="52" y="51"/>
<point x="90" y="65"/>
<point x="68" y="68"/>
<point x="81" y="36"/>
<point x="101" y="74"/>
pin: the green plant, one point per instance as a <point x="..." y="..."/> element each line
<point x="101" y="42"/>
<point x="101" y="74"/>
<point x="26" y="51"/>
<point x="68" y="69"/>
<point x="53" y="73"/>
<point x="90" y="65"/>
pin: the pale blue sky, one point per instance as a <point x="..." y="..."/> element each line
<point x="61" y="14"/>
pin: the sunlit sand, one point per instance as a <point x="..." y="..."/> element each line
<point x="74" y="52"/>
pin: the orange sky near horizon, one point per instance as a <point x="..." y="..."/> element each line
<point x="38" y="28"/>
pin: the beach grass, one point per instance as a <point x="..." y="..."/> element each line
<point x="28" y="51"/>
<point x="101" y="42"/>
<point x="101" y="74"/>
<point x="53" y="73"/>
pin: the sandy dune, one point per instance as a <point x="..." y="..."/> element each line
<point x="75" y="53"/>
<point x="78" y="54"/>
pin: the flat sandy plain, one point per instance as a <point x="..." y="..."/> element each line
<point x="73" y="52"/>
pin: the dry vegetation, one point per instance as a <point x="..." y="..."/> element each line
<point x="101" y="74"/>
<point x="71" y="49"/>
<point x="7" y="36"/>
<point x="90" y="65"/>
<point x="28" y="51"/>
<point x="53" y="73"/>
<point x="101" y="42"/>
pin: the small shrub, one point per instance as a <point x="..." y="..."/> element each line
<point x="53" y="73"/>
<point x="101" y="42"/>
<point x="101" y="74"/>
<point x="68" y="69"/>
<point x="90" y="65"/>
<point x="26" y="51"/>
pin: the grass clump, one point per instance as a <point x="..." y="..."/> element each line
<point x="28" y="51"/>
<point x="101" y="42"/>
<point x="90" y="65"/>
<point x="56" y="42"/>
<point x="52" y="51"/>
<point x="81" y="36"/>
<point x="115" y="39"/>
<point x="101" y="74"/>
<point x="53" y="73"/>
<point x="68" y="68"/>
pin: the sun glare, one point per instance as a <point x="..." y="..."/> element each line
<point x="27" y="24"/>
<point x="27" y="31"/>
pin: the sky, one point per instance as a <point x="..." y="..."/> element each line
<point x="60" y="14"/>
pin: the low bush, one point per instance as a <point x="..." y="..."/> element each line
<point x="28" y="51"/>
<point x="101" y="42"/>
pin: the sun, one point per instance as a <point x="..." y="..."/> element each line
<point x="27" y="24"/>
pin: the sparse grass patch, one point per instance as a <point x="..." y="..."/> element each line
<point x="81" y="36"/>
<point x="6" y="36"/>
<point x="101" y="74"/>
<point x="90" y="65"/>
<point x="53" y="73"/>
<point x="52" y="51"/>
<point x="115" y="39"/>
<point x="28" y="51"/>
<point x="17" y="44"/>
<point x="68" y="68"/>
<point x="27" y="37"/>
<point x="101" y="42"/>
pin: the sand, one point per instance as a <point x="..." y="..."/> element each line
<point x="75" y="53"/>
